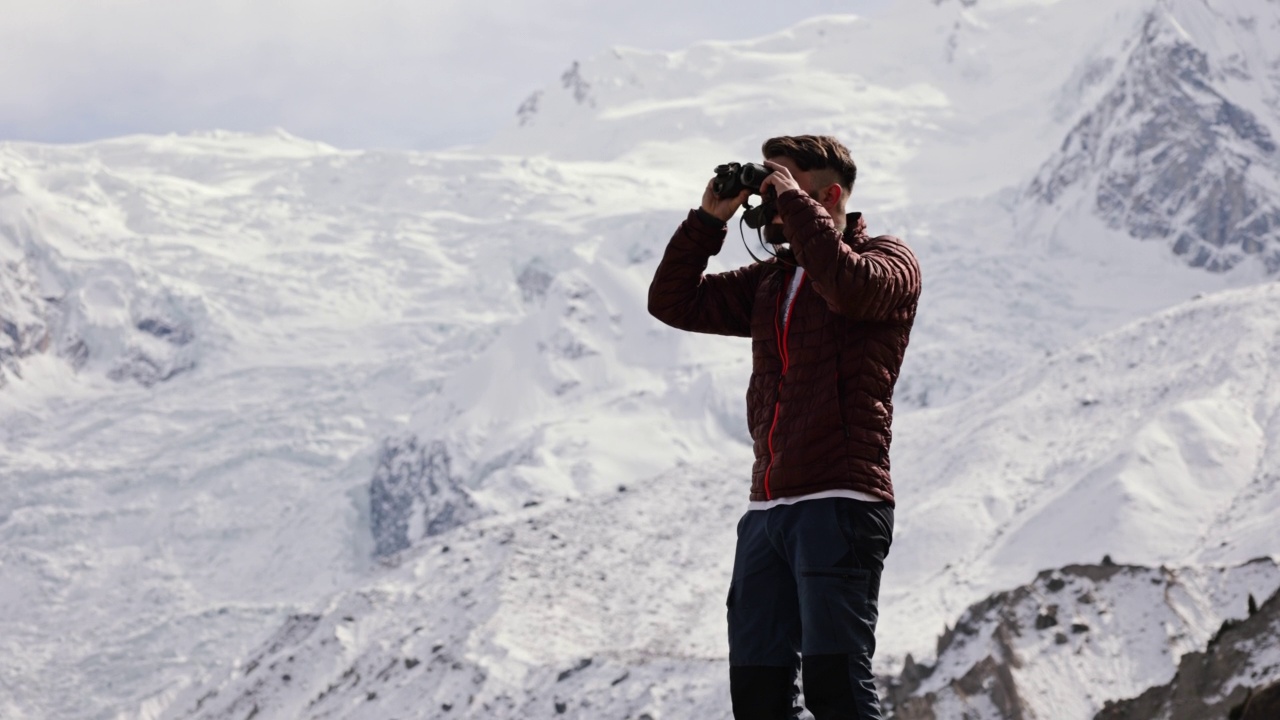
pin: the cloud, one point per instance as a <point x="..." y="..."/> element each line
<point x="402" y="73"/>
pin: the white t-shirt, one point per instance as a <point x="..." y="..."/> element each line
<point x="791" y="295"/>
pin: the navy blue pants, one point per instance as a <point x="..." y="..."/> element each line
<point x="803" y="599"/>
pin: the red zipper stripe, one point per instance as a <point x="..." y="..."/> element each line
<point x="786" y="363"/>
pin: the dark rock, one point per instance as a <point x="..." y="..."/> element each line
<point x="534" y="281"/>
<point x="1047" y="618"/>
<point x="1263" y="704"/>
<point x="582" y="665"/>
<point x="173" y="332"/>
<point x="572" y="80"/>
<point x="295" y="630"/>
<point x="528" y="109"/>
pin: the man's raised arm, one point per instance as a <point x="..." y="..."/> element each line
<point x="878" y="282"/>
<point x="682" y="296"/>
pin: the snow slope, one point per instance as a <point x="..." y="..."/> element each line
<point x="176" y="517"/>
<point x="564" y="608"/>
<point x="593" y="579"/>
<point x="1155" y="444"/>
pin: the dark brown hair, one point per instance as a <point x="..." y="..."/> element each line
<point x="815" y="152"/>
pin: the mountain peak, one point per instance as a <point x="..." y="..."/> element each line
<point x="1176" y="152"/>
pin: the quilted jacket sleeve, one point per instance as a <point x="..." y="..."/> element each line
<point x="878" y="282"/>
<point x="684" y="298"/>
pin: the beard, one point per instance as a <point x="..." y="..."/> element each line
<point x="773" y="234"/>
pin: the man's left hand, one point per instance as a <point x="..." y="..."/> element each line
<point x="780" y="179"/>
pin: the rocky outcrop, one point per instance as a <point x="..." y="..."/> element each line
<point x="1240" y="662"/>
<point x="573" y="81"/>
<point x="414" y="495"/>
<point x="1261" y="705"/>
<point x="124" y="323"/>
<point x="159" y="344"/>
<point x="24" y="328"/>
<point x="1083" y="635"/>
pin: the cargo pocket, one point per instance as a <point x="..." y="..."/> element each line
<point x="835" y="612"/>
<point x="864" y="529"/>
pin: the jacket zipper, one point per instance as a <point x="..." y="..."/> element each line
<point x="786" y="363"/>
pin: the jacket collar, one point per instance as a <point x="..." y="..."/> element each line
<point x="855" y="226"/>
<point x="855" y="232"/>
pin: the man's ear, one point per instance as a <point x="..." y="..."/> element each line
<point x="832" y="195"/>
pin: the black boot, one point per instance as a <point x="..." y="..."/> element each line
<point x="763" y="693"/>
<point x="840" y="687"/>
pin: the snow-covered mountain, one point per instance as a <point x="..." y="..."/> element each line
<point x="255" y="386"/>
<point x="1182" y="147"/>
<point x="166" y="525"/>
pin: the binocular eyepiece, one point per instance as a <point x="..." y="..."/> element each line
<point x="732" y="178"/>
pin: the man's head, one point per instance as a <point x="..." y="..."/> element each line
<point x="823" y="167"/>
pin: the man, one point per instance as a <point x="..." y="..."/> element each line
<point x="829" y="320"/>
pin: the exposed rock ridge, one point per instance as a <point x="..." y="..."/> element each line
<point x="1035" y="651"/>
<point x="1167" y="155"/>
<point x="1243" y="657"/>
<point x="24" y="329"/>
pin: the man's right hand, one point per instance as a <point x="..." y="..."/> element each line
<point x="719" y="207"/>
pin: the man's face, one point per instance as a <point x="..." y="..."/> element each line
<point x="773" y="231"/>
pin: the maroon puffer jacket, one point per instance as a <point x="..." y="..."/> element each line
<point x="820" y="401"/>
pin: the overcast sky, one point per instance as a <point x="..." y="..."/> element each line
<point x="421" y="74"/>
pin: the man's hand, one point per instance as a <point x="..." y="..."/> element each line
<point x="719" y="207"/>
<point x="780" y="179"/>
